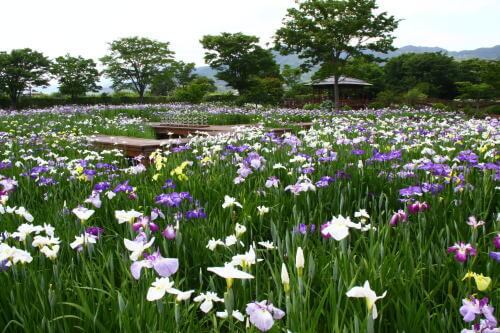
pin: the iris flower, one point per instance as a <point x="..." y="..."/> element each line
<point x="482" y="282"/>
<point x="461" y="251"/>
<point x="262" y="315"/>
<point x="159" y="288"/>
<point x="369" y="295"/>
<point x="163" y="266"/>
<point x="230" y="202"/>
<point x="138" y="246"/>
<point x="207" y="300"/>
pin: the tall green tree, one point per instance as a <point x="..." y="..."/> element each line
<point x="369" y="71"/>
<point x="433" y="73"/>
<point x="478" y="71"/>
<point x="329" y="32"/>
<point x="76" y="75"/>
<point x="178" y="74"/>
<point x="133" y="62"/>
<point x="22" y="69"/>
<point x="238" y="59"/>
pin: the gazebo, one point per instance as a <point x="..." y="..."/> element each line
<point x="351" y="91"/>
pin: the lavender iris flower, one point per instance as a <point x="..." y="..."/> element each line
<point x="163" y="266"/>
<point x="263" y="315"/>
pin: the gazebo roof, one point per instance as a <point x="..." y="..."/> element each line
<point x="343" y="81"/>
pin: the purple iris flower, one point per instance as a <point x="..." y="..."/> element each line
<point x="263" y="315"/>
<point x="198" y="213"/>
<point x="496" y="241"/>
<point x="461" y="251"/>
<point x="102" y="186"/>
<point x="123" y="187"/>
<point x="357" y="152"/>
<point x="46" y="181"/>
<point x="272" y="181"/>
<point x="410" y="191"/>
<point x="169" y="183"/>
<point x="303" y="228"/>
<point x="468" y="156"/>
<point x="89" y="174"/>
<point x="495" y="256"/>
<point x="144" y="222"/>
<point x="5" y="165"/>
<point x="169" y="232"/>
<point x="163" y="266"/>
<point x="473" y="307"/>
<point x="95" y="231"/>
<point x="324" y="181"/>
<point x="398" y="217"/>
<point x="418" y="207"/>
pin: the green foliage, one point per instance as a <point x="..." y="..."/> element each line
<point x="494" y="109"/>
<point x="118" y="98"/>
<point x="388" y="97"/>
<point x="436" y="71"/>
<point x="312" y="106"/>
<point x="178" y="74"/>
<point x="414" y="97"/>
<point x="440" y="106"/>
<point x="475" y="91"/>
<point x="76" y="75"/>
<point x="238" y="59"/>
<point x="329" y="32"/>
<point x="480" y="71"/>
<point x="220" y="97"/>
<point x="133" y="62"/>
<point x="368" y="70"/>
<point x="195" y="91"/>
<point x="22" y="69"/>
<point x="265" y="91"/>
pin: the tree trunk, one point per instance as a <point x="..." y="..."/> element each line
<point x="13" y="99"/>
<point x="336" y="93"/>
<point x="141" y="95"/>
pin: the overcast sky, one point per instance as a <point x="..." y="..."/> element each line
<point x="56" y="27"/>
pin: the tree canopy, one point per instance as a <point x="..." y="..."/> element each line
<point x="433" y="73"/>
<point x="133" y="62"/>
<point x="22" y="69"/>
<point x="238" y="59"/>
<point x="329" y="32"/>
<point x="76" y="75"/>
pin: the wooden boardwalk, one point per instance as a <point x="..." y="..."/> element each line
<point x="170" y="135"/>
<point x="163" y="130"/>
<point x="131" y="146"/>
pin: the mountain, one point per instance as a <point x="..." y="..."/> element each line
<point x="487" y="53"/>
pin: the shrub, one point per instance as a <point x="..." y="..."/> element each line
<point x="311" y="106"/>
<point x="494" y="109"/>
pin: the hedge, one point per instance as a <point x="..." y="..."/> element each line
<point x="49" y="101"/>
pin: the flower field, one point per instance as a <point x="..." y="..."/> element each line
<point x="370" y="221"/>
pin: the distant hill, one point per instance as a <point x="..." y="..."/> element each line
<point x="488" y="53"/>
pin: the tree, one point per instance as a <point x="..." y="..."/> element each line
<point x="238" y="58"/>
<point x="22" y="69"/>
<point x="292" y="77"/>
<point x="266" y="91"/>
<point x="329" y="32"/>
<point x="369" y="71"/>
<point x="133" y="62"/>
<point x="480" y="71"/>
<point x="475" y="91"/>
<point x="76" y="75"/>
<point x="194" y="91"/>
<point x="179" y="74"/>
<point x="434" y="73"/>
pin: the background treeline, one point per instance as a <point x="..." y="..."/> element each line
<point x="330" y="38"/>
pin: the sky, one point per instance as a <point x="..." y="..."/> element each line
<point x="85" y="28"/>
